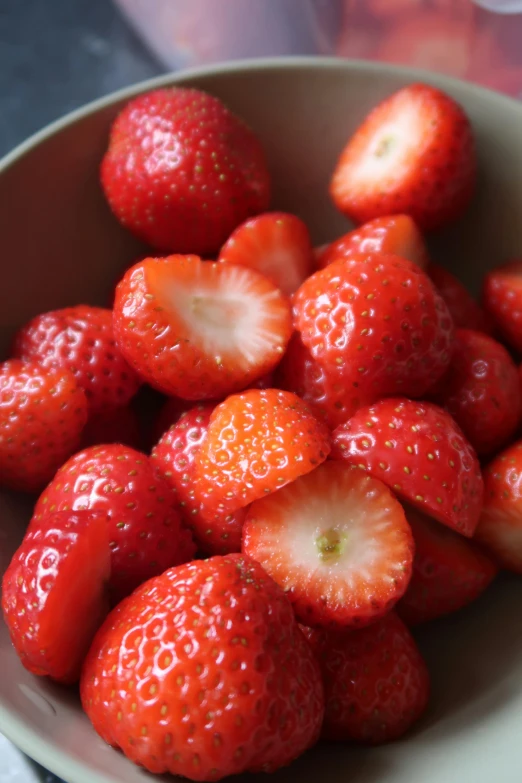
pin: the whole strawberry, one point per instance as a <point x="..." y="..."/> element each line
<point x="376" y="324"/>
<point x="81" y="339"/>
<point x="376" y="682"/>
<point x="200" y="330"/>
<point x="413" y="154"/>
<point x="481" y="390"/>
<point x="418" y="451"/>
<point x="465" y="311"/>
<point x="256" y="442"/>
<point x="502" y="298"/>
<point x="54" y="592"/>
<point x="203" y="672"/>
<point x="43" y="413"/>
<point x="145" y="531"/>
<point x="181" y="171"/>
<point x="174" y="457"/>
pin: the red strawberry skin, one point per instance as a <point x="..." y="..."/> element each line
<point x="277" y="244"/>
<point x="392" y="234"/>
<point x="200" y="330"/>
<point x="418" y="451"/>
<point x="449" y="572"/>
<point x="54" y="592"/>
<point x="257" y="442"/>
<point x="376" y="682"/>
<point x="220" y="630"/>
<point x="174" y="457"/>
<point x="145" y="531"/>
<point x="338" y="543"/>
<point x="500" y="526"/>
<point x="414" y="154"/>
<point x="43" y="415"/>
<point x="181" y="171"/>
<point x="502" y="299"/>
<point x="81" y="339"/>
<point x="465" y="311"/>
<point x="482" y="391"/>
<point x="377" y="324"/>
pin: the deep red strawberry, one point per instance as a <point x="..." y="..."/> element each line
<point x="257" y="442"/>
<point x="376" y="682"/>
<point x="418" y="451"/>
<point x="502" y="298"/>
<point x="181" y="171"/>
<point x="449" y="572"/>
<point x="174" y="458"/>
<point x="43" y="413"/>
<point x="318" y="386"/>
<point x="482" y="391"/>
<point x="118" y="426"/>
<point x="377" y="324"/>
<point x="500" y="525"/>
<point x="145" y="531"/>
<point x="54" y="592"/>
<point x="81" y="339"/>
<point x="200" y="330"/>
<point x="338" y="543"/>
<point x="465" y="311"/>
<point x="224" y="681"/>
<point x="395" y="235"/>
<point x="413" y="154"/>
<point x="276" y="244"/>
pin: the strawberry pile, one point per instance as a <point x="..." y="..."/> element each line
<point x="266" y="462"/>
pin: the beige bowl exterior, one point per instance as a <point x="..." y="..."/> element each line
<point x="60" y="246"/>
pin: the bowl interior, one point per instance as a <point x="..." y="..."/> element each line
<point x="61" y="246"/>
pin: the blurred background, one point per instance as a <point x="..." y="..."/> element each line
<point x="56" y="55"/>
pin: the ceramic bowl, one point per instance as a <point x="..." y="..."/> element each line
<point x="61" y="246"/>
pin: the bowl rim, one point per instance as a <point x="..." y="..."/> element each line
<point x="14" y="729"/>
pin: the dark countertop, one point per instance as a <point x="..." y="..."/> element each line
<point x="56" y="55"/>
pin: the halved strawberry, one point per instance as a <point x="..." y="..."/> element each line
<point x="200" y="330"/>
<point x="465" y="311"/>
<point x="376" y="682"/>
<point x="338" y="543"/>
<point x="502" y="298"/>
<point x="174" y="458"/>
<point x="393" y="234"/>
<point x="54" y="592"/>
<point x="413" y="154"/>
<point x="500" y="525"/>
<point x="418" y="451"/>
<point x="276" y="244"/>
<point x="257" y="442"/>
<point x="449" y="572"/>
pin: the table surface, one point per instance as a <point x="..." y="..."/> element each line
<point x="56" y="55"/>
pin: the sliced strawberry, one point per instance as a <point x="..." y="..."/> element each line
<point x="42" y="415"/>
<point x="393" y="234"/>
<point x="257" y="442"/>
<point x="465" y="311"/>
<point x="376" y="323"/>
<point x="502" y="298"/>
<point x="500" y="525"/>
<point x="413" y="154"/>
<point x="338" y="543"/>
<point x="449" y="572"/>
<point x="276" y="244"/>
<point x="321" y="387"/>
<point x="174" y="458"/>
<point x="417" y="450"/>
<point x="376" y="682"/>
<point x="200" y="330"/>
<point x="481" y="390"/>
<point x="54" y="592"/>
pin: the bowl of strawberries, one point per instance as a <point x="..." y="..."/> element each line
<point x="260" y="430"/>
